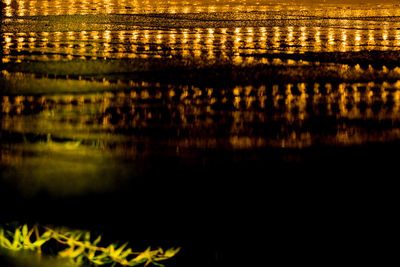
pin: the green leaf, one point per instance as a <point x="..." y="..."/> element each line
<point x="39" y="242"/>
<point x="142" y="257"/>
<point x="79" y="259"/>
<point x="4" y="241"/>
<point x="126" y="253"/>
<point x="66" y="252"/>
<point x="42" y="239"/>
<point x="102" y="256"/>
<point x="98" y="239"/>
<point x="77" y="252"/>
<point x="17" y="235"/>
<point x="98" y="262"/>
<point x="118" y="251"/>
<point x="171" y="252"/>
<point x="91" y="254"/>
<point x="77" y="236"/>
<point x="87" y="236"/>
<point x="135" y="262"/>
<point x="46" y="235"/>
<point x="24" y="231"/>
<point x="158" y="264"/>
<point x="111" y="249"/>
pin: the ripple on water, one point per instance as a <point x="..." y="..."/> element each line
<point x="203" y="35"/>
<point x="243" y="117"/>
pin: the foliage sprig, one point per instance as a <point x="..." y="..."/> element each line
<point x="79" y="247"/>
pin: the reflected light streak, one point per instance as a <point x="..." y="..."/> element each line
<point x="287" y="104"/>
<point x="198" y="42"/>
<point x="276" y="39"/>
<point x="385" y="34"/>
<point x="397" y="37"/>
<point x="317" y="38"/>
<point x="331" y="39"/>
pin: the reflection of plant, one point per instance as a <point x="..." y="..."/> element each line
<point x="77" y="245"/>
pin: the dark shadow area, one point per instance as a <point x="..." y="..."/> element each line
<point x="314" y="205"/>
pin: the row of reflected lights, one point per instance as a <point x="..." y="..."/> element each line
<point x="211" y="43"/>
<point x="57" y="113"/>
<point x="63" y="7"/>
<point x="291" y="101"/>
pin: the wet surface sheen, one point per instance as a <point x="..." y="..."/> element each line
<point x="151" y="104"/>
<point x="196" y="31"/>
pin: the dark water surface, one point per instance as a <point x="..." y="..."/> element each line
<point x="230" y="128"/>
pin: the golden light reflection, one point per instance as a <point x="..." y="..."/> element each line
<point x="371" y="38"/>
<point x="385" y="37"/>
<point x="210" y="43"/>
<point x="317" y="38"/>
<point x="236" y="46"/>
<point x="276" y="39"/>
<point x="244" y="109"/>
<point x="303" y="38"/>
<point x="290" y="38"/>
<point x="331" y="40"/>
<point x="397" y="37"/>
<point x="56" y="7"/>
<point x="201" y="43"/>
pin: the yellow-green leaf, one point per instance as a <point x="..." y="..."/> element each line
<point x="87" y="236"/>
<point x="98" y="262"/>
<point x="46" y="235"/>
<point x="77" y="252"/>
<point x="171" y="252"/>
<point x="118" y="251"/>
<point x="5" y="242"/>
<point x="126" y="253"/>
<point x="16" y="240"/>
<point x="98" y="239"/>
<point x="66" y="252"/>
<point x="39" y="242"/>
<point x="24" y="231"/>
